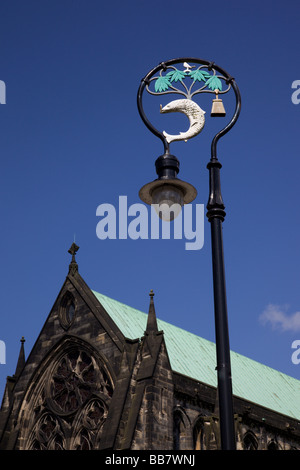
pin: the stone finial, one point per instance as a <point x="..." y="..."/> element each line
<point x="21" y="359"/>
<point x="73" y="267"/>
<point x="152" y="322"/>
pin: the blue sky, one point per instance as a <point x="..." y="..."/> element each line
<point x="72" y="139"/>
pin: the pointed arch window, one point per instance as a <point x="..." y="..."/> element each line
<point x="207" y="433"/>
<point x="250" y="441"/>
<point x="70" y="402"/>
<point x="273" y="445"/>
<point x="182" y="438"/>
<point x="70" y="312"/>
<point x="67" y="310"/>
<point x="177" y="429"/>
<point x="199" y="435"/>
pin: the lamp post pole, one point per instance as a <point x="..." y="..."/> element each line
<point x="215" y="212"/>
<point x="215" y="215"/>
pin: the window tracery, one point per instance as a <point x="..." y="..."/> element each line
<point x="89" y="426"/>
<point x="47" y="434"/>
<point x="72" y="406"/>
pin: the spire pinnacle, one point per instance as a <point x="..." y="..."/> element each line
<point x="73" y="266"/>
<point x="152" y="322"/>
<point x="21" y="359"/>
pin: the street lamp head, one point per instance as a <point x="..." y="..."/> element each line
<point x="167" y="196"/>
<point x="167" y="193"/>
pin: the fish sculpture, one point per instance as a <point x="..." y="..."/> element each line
<point x="192" y="111"/>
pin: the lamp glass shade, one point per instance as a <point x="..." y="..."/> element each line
<point x="167" y="200"/>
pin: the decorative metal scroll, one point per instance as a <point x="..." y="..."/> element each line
<point x="187" y="77"/>
<point x="187" y="80"/>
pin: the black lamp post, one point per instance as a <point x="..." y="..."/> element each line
<point x="168" y="188"/>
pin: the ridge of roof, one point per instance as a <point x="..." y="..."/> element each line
<point x="251" y="380"/>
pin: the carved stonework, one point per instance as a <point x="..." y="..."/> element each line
<point x="73" y="267"/>
<point x="75" y="379"/>
<point x="69" y="404"/>
<point x="47" y="434"/>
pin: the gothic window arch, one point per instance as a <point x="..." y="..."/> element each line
<point x="181" y="429"/>
<point x="272" y="445"/>
<point x="198" y="435"/>
<point x="177" y="429"/>
<point x="250" y="441"/>
<point x="67" y="310"/>
<point x="206" y="433"/>
<point x="69" y="402"/>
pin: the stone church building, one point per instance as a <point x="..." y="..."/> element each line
<point x="102" y="375"/>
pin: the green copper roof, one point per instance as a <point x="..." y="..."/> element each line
<point x="251" y="380"/>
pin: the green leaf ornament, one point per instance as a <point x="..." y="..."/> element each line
<point x="214" y="83"/>
<point x="200" y="75"/>
<point x="162" y="84"/>
<point x="175" y="75"/>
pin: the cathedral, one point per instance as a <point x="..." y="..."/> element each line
<point x="105" y="376"/>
